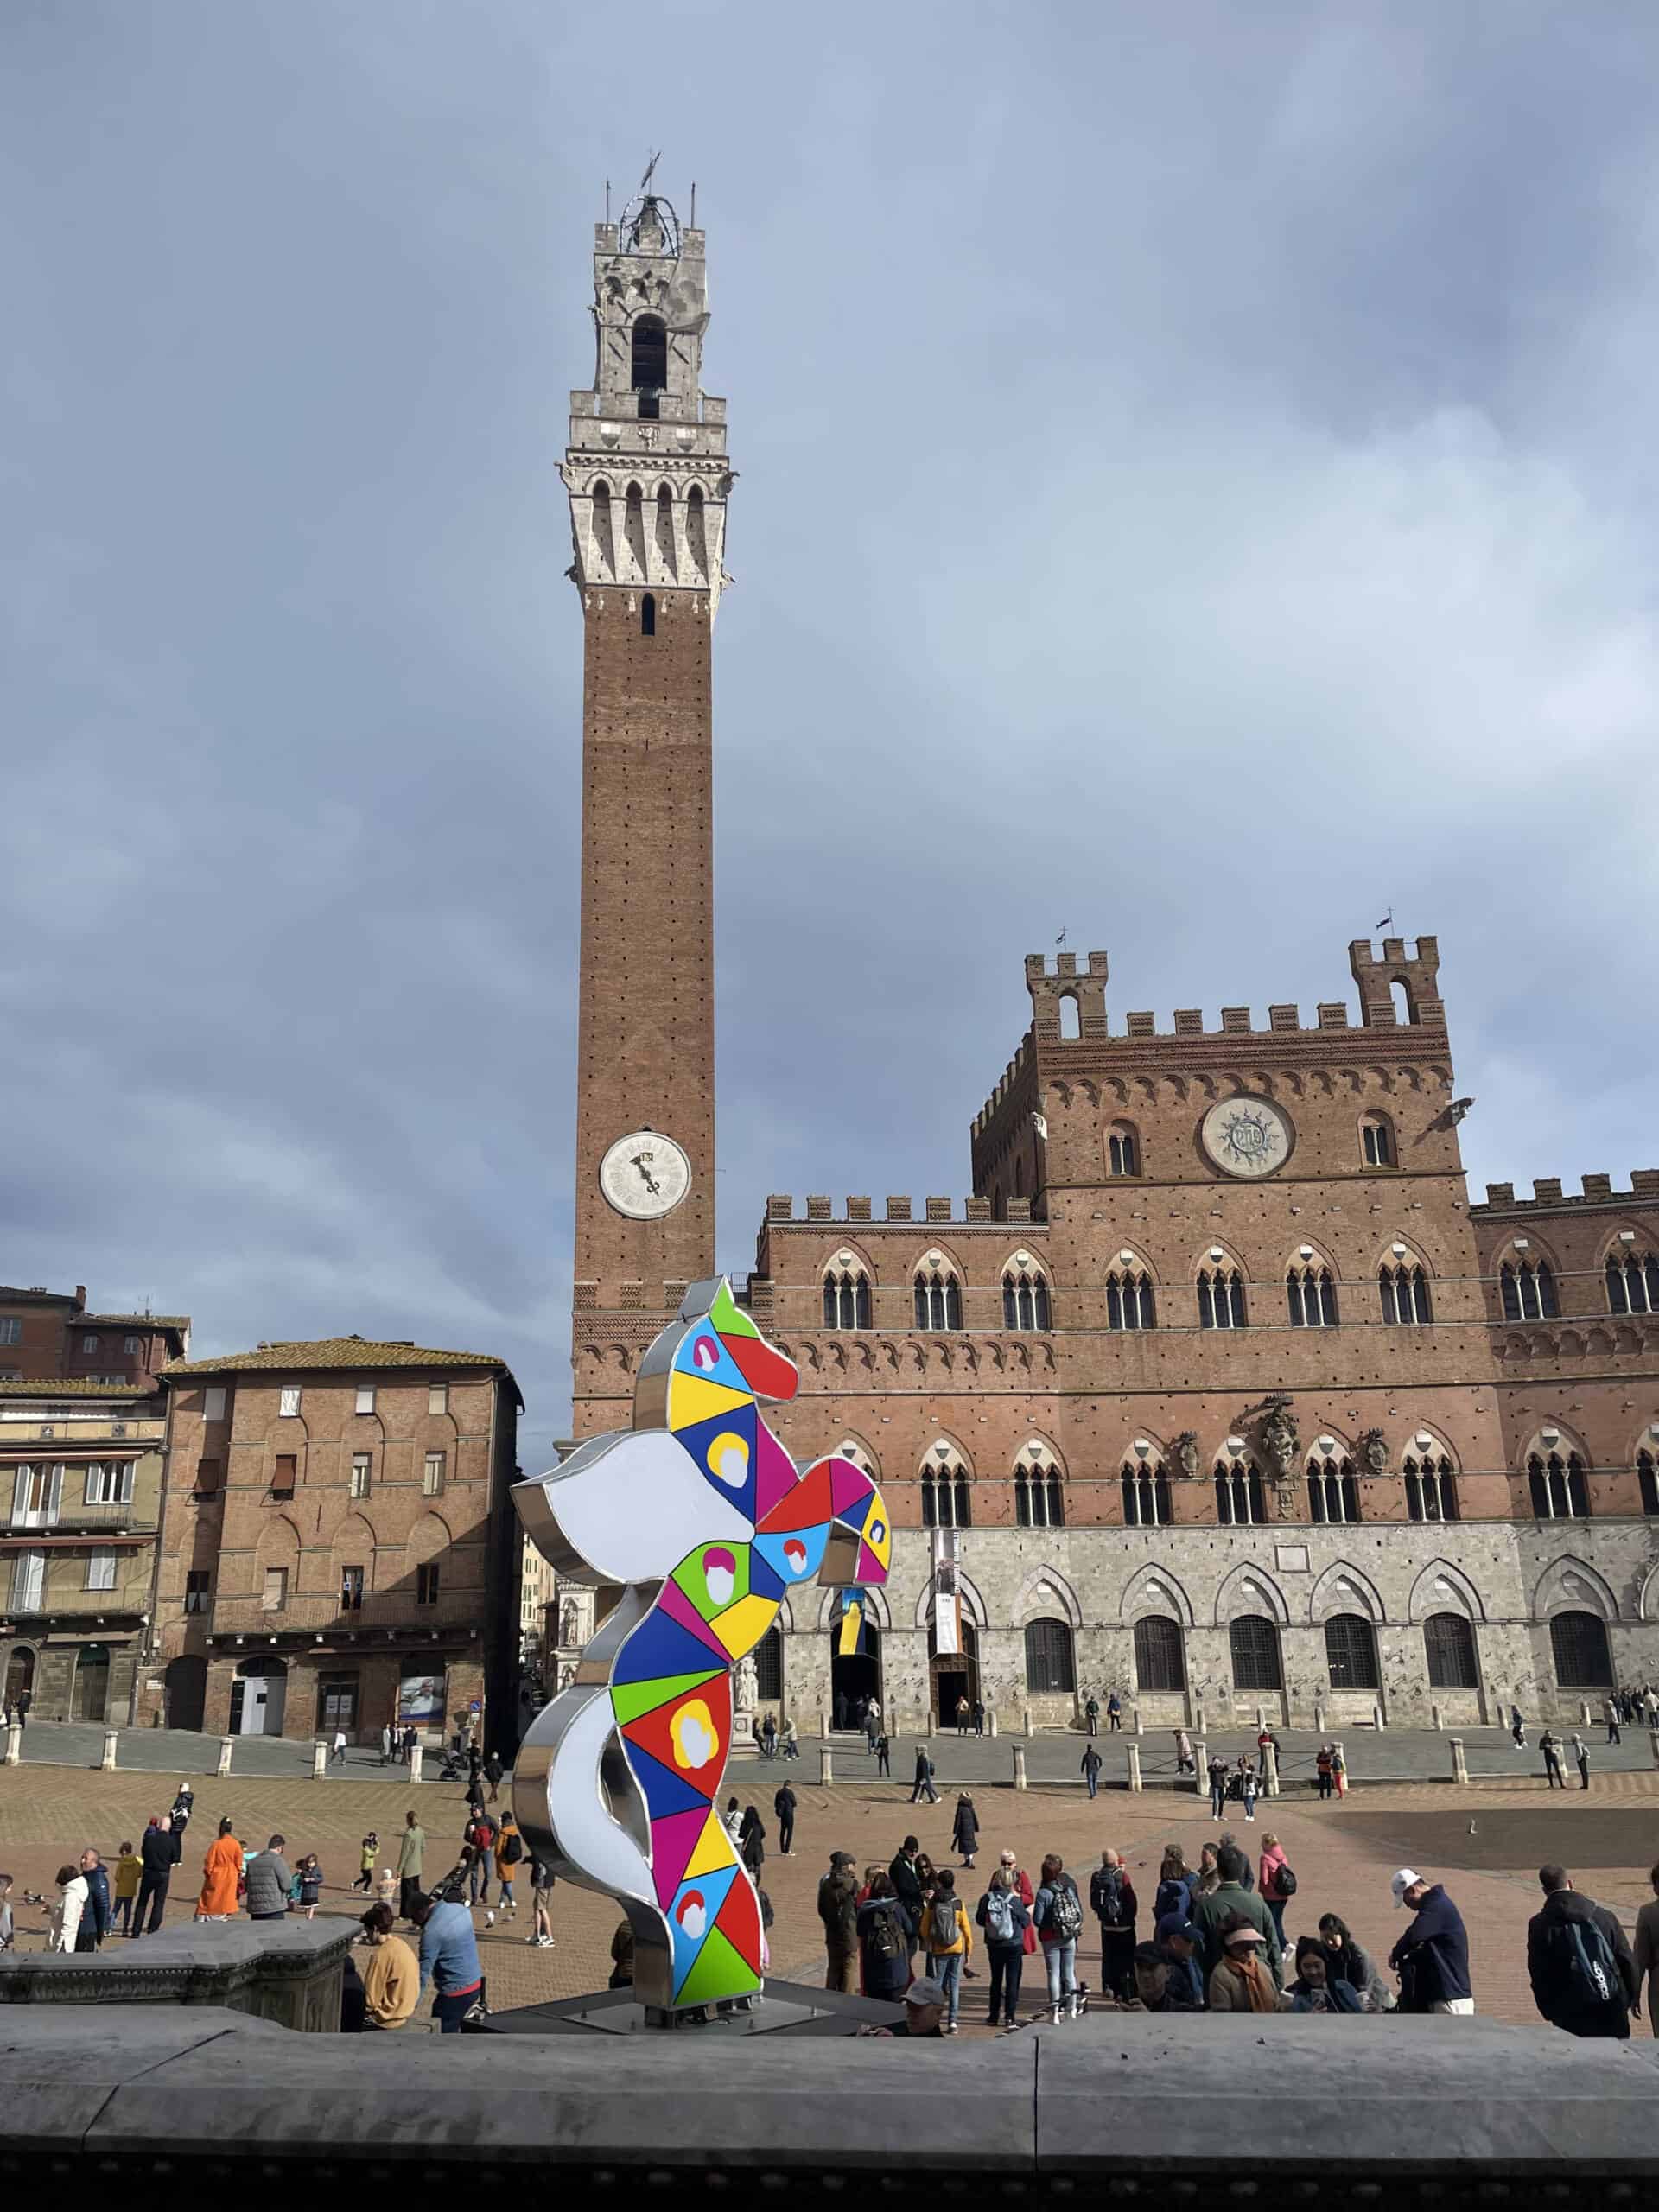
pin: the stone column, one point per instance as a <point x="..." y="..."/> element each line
<point x="107" y="1762"/>
<point x="1459" y="1765"/>
<point x="1029" y="1731"/>
<point x="1318" y="1718"/>
<point x="1201" y="1769"/>
<point x="1131" y="1751"/>
<point x="1140" y="1722"/>
<point x="1436" y="1716"/>
<point x="1653" y="1738"/>
<point x="416" y="1759"/>
<point x="990" y="1719"/>
<point x="319" y="1761"/>
<point x="827" y="1766"/>
<point x="14" y="1743"/>
<point x="1584" y="1714"/>
<point x="1377" y="1721"/>
<point x="1273" y="1772"/>
<point x="227" y="1745"/>
<point x="1197" y="1719"/>
<point x="823" y="1727"/>
<point x="1260" y="1718"/>
<point x="1020" y="1766"/>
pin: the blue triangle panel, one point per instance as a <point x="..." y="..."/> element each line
<point x="665" y="1792"/>
<point x="742" y="1422"/>
<point x="808" y="1545"/>
<point x="855" y="1515"/>
<point x="661" y="1646"/>
<point x="765" y="1581"/>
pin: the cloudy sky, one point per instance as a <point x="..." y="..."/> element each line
<point x="1196" y="493"/>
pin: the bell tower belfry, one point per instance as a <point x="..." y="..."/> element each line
<point x="647" y="476"/>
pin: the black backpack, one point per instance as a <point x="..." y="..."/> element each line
<point x="512" y="1850"/>
<point x="1587" y="1960"/>
<point x="884" y="1942"/>
<point x="1284" y="1881"/>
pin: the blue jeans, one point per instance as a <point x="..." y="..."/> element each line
<point x="1061" y="1961"/>
<point x="945" y="1966"/>
<point x="1217" y="1798"/>
<point x="1093" y="1777"/>
<point x="1249" y="1801"/>
<point x="449" y="2012"/>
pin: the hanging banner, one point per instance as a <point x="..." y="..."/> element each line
<point x="852" y="1639"/>
<point x="947" y="1624"/>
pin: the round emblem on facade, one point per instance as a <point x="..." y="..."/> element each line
<point x="1246" y="1136"/>
<point x="645" y="1174"/>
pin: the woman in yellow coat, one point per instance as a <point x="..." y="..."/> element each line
<point x="221" y="1872"/>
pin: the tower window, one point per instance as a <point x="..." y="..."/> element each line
<point x="1146" y="1498"/>
<point x="1122" y="1151"/>
<point x="1221" y="1298"/>
<point x="650" y="363"/>
<point x="1129" y="1300"/>
<point x="1528" y="1291"/>
<point x="1405" y="1294"/>
<point x="1239" y="1500"/>
<point x="1431" y="1489"/>
<point x="1039" y="1495"/>
<point x="945" y="1500"/>
<point x="939" y="1301"/>
<point x="1558" y="1487"/>
<point x="648" y="616"/>
<point x="1312" y="1298"/>
<point x="846" y="1299"/>
<point x="1332" y="1493"/>
<point x="1377" y="1142"/>
<point x="1647" y="1471"/>
<point x="1025" y="1301"/>
<point x="1632" y="1284"/>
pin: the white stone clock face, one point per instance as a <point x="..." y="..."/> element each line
<point x="1246" y="1136"/>
<point x="645" y="1175"/>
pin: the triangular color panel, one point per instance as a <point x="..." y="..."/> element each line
<point x="704" y="1355"/>
<point x="659" y="1645"/>
<point x="741" y="1626"/>
<point x="718" y="1972"/>
<point x="848" y="1482"/>
<point x="871" y="1566"/>
<point x="728" y="1316"/>
<point x="691" y="1916"/>
<point x="739" y="1921"/>
<point x="672" y="1842"/>
<point x="765" y="1581"/>
<point x="714" y="1848"/>
<point x="690" y="1738"/>
<point x="678" y="1607"/>
<point x="665" y="1793"/>
<point x="691" y="1400"/>
<point x="630" y="1699"/>
<point x="775" y="1472"/>
<point x="724" y="1449"/>
<point x="797" y="1555"/>
<point x="856" y="1511"/>
<point x="714" y="1576"/>
<point x="767" y="1373"/>
<point x="809" y="1502"/>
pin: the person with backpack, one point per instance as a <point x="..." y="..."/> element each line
<point x="948" y="1942"/>
<point x="924" y="1785"/>
<point x="886" y="1936"/>
<point x="751" y="1843"/>
<point x="1276" y="1884"/>
<point x="1112" y="1900"/>
<point x="480" y="1832"/>
<point x="964" y="1831"/>
<point x="1058" y="1920"/>
<point x="508" y="1850"/>
<point x="1091" y="1715"/>
<point x="1092" y="1769"/>
<point x="1432" y="1957"/>
<point x="1004" y="1914"/>
<point x="1583" y="1973"/>
<point x="1177" y="1885"/>
<point x="1115" y="1713"/>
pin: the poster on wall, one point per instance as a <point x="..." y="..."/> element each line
<point x="421" y="1701"/>
<point x="947" y="1623"/>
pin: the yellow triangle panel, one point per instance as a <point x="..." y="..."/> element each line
<point x="692" y="1398"/>
<point x="741" y="1626"/>
<point x="715" y="1850"/>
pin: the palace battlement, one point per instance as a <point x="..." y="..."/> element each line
<point x="1547" y="1192"/>
<point x="780" y="1206"/>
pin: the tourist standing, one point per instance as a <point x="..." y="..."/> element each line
<point x="1092" y="1769"/>
<point x="7" y="1925"/>
<point x="1432" y="1957"/>
<point x="964" y="1829"/>
<point x="449" y="1961"/>
<point x="1584" y="1977"/>
<point x="783" y="1806"/>
<point x="873" y="1722"/>
<point x="1613" y="1736"/>
<point x="923" y="1783"/>
<point x="1114" y="1712"/>
<point x="1091" y="1715"/>
<point x="791" y="1739"/>
<point x="887" y="1937"/>
<point x="541" y="1900"/>
<point x="493" y="1771"/>
<point x="95" y="1920"/>
<point x="979" y="1716"/>
<point x="1646" y="1953"/>
<point x="1275" y="1882"/>
<point x="1581" y="1759"/>
<point x="411" y="1856"/>
<point x="1217" y="1787"/>
<point x="1175" y="1884"/>
<point x="1112" y="1900"/>
<point x="1517" y="1729"/>
<point x="949" y="1942"/>
<point x="883" y="1756"/>
<point x="368" y="1852"/>
<point x="385" y="1752"/>
<point x="156" y="1856"/>
<point x="1550" y="1745"/>
<point x="769" y="1737"/>
<point x="337" y="1754"/>
<point x="509" y="1852"/>
<point x="391" y="1973"/>
<point x="1183" y="1945"/>
<point x="1239" y="1981"/>
<point x="1058" y="1921"/>
<point x="1247" y="1784"/>
<point x="221" y="1872"/>
<point x="309" y="1879"/>
<point x="1184" y="1762"/>
<point x="905" y="1873"/>
<point x="129" y="1870"/>
<point x="751" y="1843"/>
<point x="268" y="1879"/>
<point x="69" y="1910"/>
<point x="1004" y="1915"/>
<point x="838" y="1910"/>
<point x="1322" y="1770"/>
<point x="1228" y="1901"/>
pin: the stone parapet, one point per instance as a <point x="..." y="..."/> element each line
<point x="291" y="1973"/>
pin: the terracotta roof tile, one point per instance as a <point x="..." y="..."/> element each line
<point x="135" y="1320"/>
<point x="332" y="1352"/>
<point x="69" y="1386"/>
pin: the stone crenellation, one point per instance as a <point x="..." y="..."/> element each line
<point x="1597" y="1190"/>
<point x="780" y="1206"/>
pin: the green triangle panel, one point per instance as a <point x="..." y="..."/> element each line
<point x="716" y="1972"/>
<point x="630" y="1699"/>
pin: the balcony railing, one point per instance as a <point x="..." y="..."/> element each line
<point x="39" y="1604"/>
<point x="381" y="1610"/>
<point x="72" y="1517"/>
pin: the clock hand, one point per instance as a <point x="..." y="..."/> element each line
<point x="651" y="1182"/>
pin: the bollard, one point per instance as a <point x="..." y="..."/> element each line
<point x="1260" y="1718"/>
<point x="416" y="1760"/>
<point x="1197" y="1719"/>
<point x="1377" y="1721"/>
<point x="1459" y="1765"/>
<point x="1201" y="1771"/>
<point x="1132" y="1752"/>
<point x="1584" y="1714"/>
<point x="991" y="1720"/>
<point x="1273" y="1772"/>
<point x="108" y="1761"/>
<point x="1436" y="1717"/>
<point x="226" y="1745"/>
<point x="1318" y="1718"/>
<point x="1019" y="1766"/>
<point x="319" y="1760"/>
<point x="823" y="1727"/>
<point x="1653" y="1738"/>
<point x="1026" y="1709"/>
<point x="827" y="1766"/>
<point x="14" y="1743"/>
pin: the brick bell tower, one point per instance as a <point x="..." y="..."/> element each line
<point x="647" y="475"/>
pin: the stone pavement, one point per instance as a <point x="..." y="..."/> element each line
<point x="178" y="1751"/>
<point x="1487" y="1842"/>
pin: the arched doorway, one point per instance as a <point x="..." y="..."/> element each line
<point x="258" y="1697"/>
<point x="953" y="1674"/>
<point x="184" y="1692"/>
<point x="90" y="1692"/>
<point x="20" y="1677"/>
<point x="854" y="1675"/>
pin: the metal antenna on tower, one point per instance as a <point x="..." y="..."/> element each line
<point x="645" y="182"/>
<point x="608" y="199"/>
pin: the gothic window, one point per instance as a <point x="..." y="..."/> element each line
<point x="1332" y="1493"/>
<point x="1376" y="1141"/>
<point x="648" y="616"/>
<point x="1160" y="1662"/>
<point x="1146" y="1498"/>
<point x="1351" y="1652"/>
<point x="1405" y="1294"/>
<point x="1239" y="1502"/>
<point x="1632" y="1284"/>
<point x="945" y="1499"/>
<point x="769" y="1667"/>
<point x="1025" y="1300"/>
<point x="1449" y="1642"/>
<point x="1579" y="1642"/>
<point x="1049" y="1664"/>
<point x="938" y="1299"/>
<point x="1122" y="1150"/>
<point x="1647" y="1471"/>
<point x="1256" y="1664"/>
<point x="1558" y="1487"/>
<point x="1313" y="1297"/>
<point x="650" y="363"/>
<point x="847" y="1299"/>
<point x="1039" y="1493"/>
<point x="1129" y="1298"/>
<point x="1431" y="1488"/>
<point x="1221" y="1298"/>
<point x="1528" y="1288"/>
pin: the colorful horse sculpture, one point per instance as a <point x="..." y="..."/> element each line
<point x="703" y="1517"/>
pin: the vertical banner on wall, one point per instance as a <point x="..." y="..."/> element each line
<point x="852" y="1638"/>
<point x="947" y="1623"/>
<point x="420" y="1699"/>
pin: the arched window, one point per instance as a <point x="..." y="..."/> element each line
<point x="1449" y="1642"/>
<point x="1129" y="1298"/>
<point x="1071" y="1015"/>
<point x="847" y="1299"/>
<point x="1313" y="1297"/>
<point x="1039" y="1493"/>
<point x="1122" y="1150"/>
<point x="1025" y="1300"/>
<point x="1647" y="1473"/>
<point x="1431" y="1487"/>
<point x="1558" y="1487"/>
<point x="1332" y="1493"/>
<point x="1579" y="1642"/>
<point x="946" y="1502"/>
<point x="1405" y="1294"/>
<point x="769" y="1667"/>
<point x="1049" y="1664"/>
<point x="1633" y="1283"/>
<point x="1528" y="1288"/>
<point x="1221" y="1298"/>
<point x="1376" y="1141"/>
<point x="650" y="363"/>
<point x="1256" y="1664"/>
<point x="1160" y="1661"/>
<point x="1239" y="1502"/>
<point x="938" y="1299"/>
<point x="1146" y="1496"/>
<point x="1351" y="1652"/>
<point x="648" y="616"/>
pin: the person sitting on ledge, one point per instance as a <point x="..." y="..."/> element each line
<point x="391" y="1973"/>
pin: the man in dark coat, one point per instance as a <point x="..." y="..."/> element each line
<point x="158" y="1855"/>
<point x="924" y="1786"/>
<point x="1112" y="1900"/>
<point x="1432" y="1957"/>
<point x="95" y="1921"/>
<point x="838" y="1910"/>
<point x="907" y="1885"/>
<point x="783" y="1805"/>
<point x="1209" y="1913"/>
<point x="1584" y="1977"/>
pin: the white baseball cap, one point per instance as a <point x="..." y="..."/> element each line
<point x="1404" y="1880"/>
